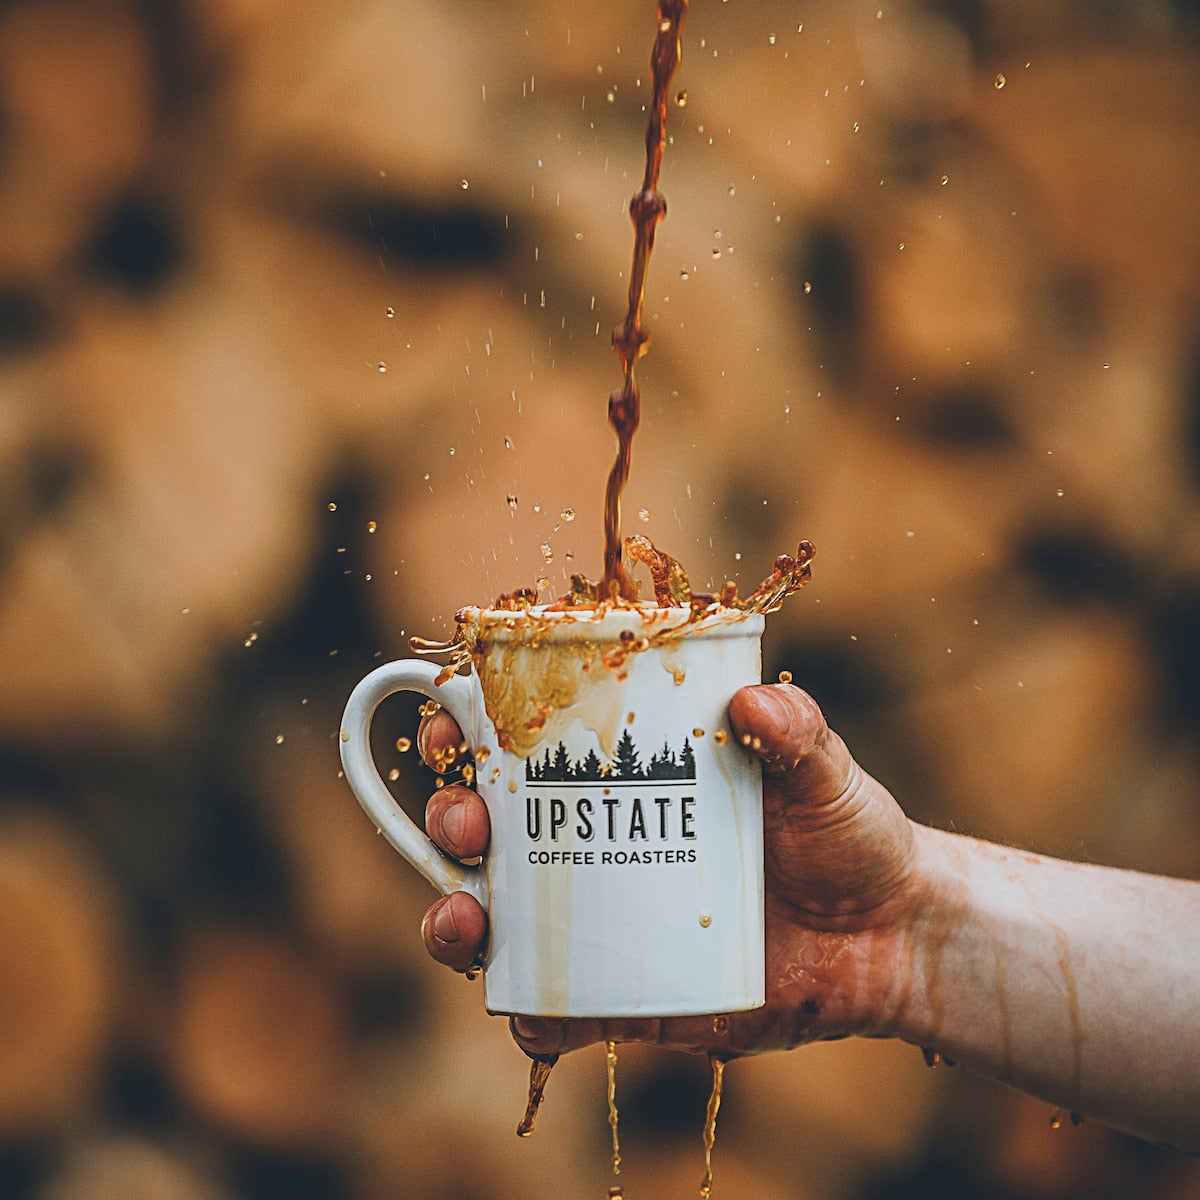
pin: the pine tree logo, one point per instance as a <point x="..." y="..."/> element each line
<point x="555" y="766"/>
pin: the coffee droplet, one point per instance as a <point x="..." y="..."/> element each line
<point x="697" y="732"/>
<point x="785" y="677"/>
<point x="720" y="737"/>
<point x="345" y="736"/>
<point x="403" y="744"/>
<point x="705" y="920"/>
<point x="1000" y="80"/>
<point x="394" y="774"/>
<point x="720" y="1026"/>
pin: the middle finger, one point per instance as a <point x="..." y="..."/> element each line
<point x="457" y="820"/>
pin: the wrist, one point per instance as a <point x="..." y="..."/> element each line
<point x="978" y="956"/>
<point x="894" y="989"/>
<point x="939" y="907"/>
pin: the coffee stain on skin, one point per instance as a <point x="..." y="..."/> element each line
<point x="1000" y="984"/>
<point x="931" y="967"/>
<point x="817" y="956"/>
<point x="894" y="982"/>
<point x="1063" y="951"/>
<point x="809" y="972"/>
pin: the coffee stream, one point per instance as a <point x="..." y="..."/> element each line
<point x="646" y="208"/>
<point x="710" y="1121"/>
<point x="539" y="1072"/>
<point x="672" y="589"/>
<point x="610" y="1062"/>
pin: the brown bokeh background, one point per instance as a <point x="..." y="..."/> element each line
<point x="304" y="320"/>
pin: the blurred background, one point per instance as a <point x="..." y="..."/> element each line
<point x="304" y="343"/>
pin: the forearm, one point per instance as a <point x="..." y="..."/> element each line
<point x="1076" y="983"/>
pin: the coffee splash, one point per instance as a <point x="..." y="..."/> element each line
<point x="616" y="590"/>
<point x="518" y="612"/>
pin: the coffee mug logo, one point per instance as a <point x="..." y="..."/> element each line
<point x="640" y="814"/>
<point x="626" y="765"/>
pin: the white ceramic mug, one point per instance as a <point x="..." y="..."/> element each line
<point x="624" y="876"/>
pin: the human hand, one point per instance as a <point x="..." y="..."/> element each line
<point x="843" y="893"/>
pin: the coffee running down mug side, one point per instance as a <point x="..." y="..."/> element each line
<point x="624" y="875"/>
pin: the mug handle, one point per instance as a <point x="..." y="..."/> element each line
<point x="363" y="776"/>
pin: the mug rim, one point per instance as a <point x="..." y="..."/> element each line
<point x="607" y="624"/>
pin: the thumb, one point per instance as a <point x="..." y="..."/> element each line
<point x="787" y="730"/>
<point x="837" y="842"/>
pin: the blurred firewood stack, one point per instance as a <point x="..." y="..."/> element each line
<point x="304" y="320"/>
